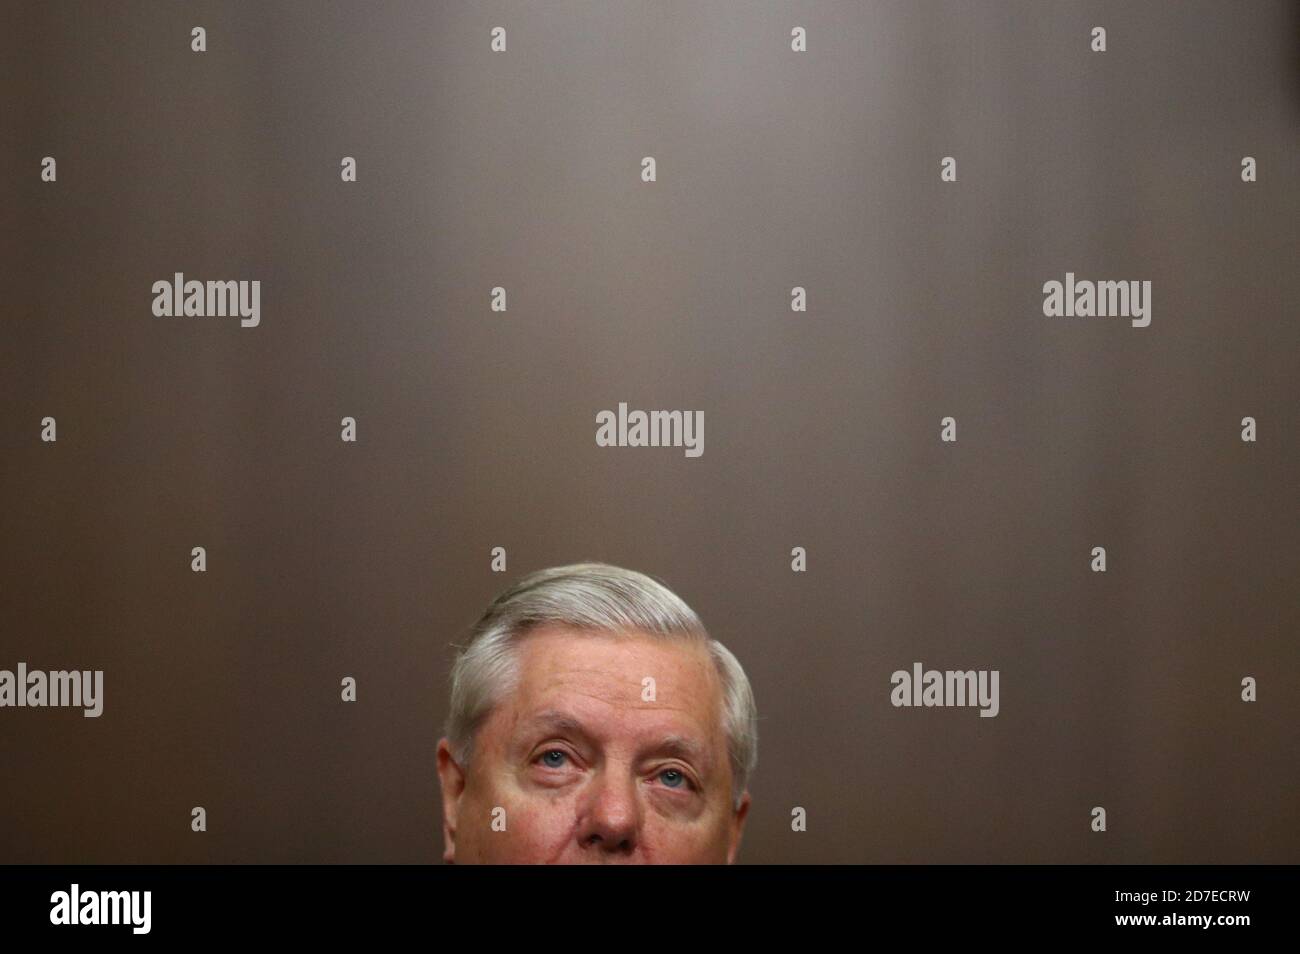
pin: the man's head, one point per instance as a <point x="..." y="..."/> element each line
<point x="594" y="719"/>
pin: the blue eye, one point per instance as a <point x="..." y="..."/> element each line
<point x="672" y="778"/>
<point x="546" y="758"/>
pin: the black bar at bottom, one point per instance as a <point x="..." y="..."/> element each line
<point x="334" y="904"/>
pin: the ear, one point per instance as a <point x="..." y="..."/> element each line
<point x="452" y="777"/>
<point x="738" y="828"/>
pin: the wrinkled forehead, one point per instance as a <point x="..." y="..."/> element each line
<point x="626" y="684"/>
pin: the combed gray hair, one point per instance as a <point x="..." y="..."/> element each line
<point x="591" y="597"/>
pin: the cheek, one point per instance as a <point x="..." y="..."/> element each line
<point x="671" y="843"/>
<point x="538" y="830"/>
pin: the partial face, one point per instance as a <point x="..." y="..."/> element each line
<point x="583" y="764"/>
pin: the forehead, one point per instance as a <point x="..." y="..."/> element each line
<point x="601" y="679"/>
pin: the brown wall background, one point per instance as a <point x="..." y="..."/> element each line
<point x="476" y="429"/>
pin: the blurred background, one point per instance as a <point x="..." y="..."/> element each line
<point x="476" y="428"/>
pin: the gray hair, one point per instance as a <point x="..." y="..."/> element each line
<point x="598" y="598"/>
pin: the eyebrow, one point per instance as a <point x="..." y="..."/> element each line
<point x="681" y="746"/>
<point x="557" y="720"/>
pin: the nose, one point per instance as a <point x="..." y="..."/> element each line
<point x="611" y="816"/>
